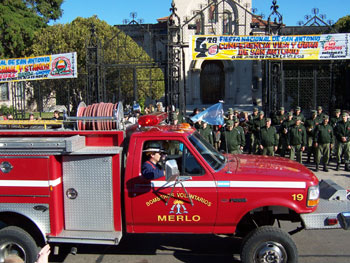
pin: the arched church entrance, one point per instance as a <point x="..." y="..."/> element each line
<point x="212" y="82"/>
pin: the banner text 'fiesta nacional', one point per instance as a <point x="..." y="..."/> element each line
<point x="44" y="67"/>
<point x="303" y="47"/>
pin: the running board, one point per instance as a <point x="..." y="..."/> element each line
<point x="87" y="237"/>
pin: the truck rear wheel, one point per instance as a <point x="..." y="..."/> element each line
<point x="269" y="245"/>
<point x="15" y="242"/>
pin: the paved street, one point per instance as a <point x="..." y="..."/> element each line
<point x="331" y="246"/>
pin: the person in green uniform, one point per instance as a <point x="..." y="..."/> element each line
<point x="230" y="139"/>
<point x="257" y="125"/>
<point x="310" y="125"/>
<point x="206" y="132"/>
<point x="333" y="122"/>
<point x="236" y="125"/>
<point x="243" y="122"/>
<point x="216" y="136"/>
<point x="283" y="131"/>
<point x="277" y="121"/>
<point x="320" y="114"/>
<point x="268" y="139"/>
<point x="342" y="135"/>
<point x="324" y="141"/>
<point x="297" y="113"/>
<point x="250" y="124"/>
<point x="335" y="118"/>
<point x="229" y="115"/>
<point x="280" y="117"/>
<point x="179" y="116"/>
<point x="173" y="119"/>
<point x="297" y="140"/>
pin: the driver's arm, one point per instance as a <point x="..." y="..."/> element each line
<point x="151" y="172"/>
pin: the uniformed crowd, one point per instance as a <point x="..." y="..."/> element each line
<point x="287" y="134"/>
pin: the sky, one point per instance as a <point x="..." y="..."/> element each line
<point x="115" y="11"/>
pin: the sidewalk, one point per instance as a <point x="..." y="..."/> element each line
<point x="340" y="177"/>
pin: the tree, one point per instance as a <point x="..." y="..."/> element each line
<point x="20" y="19"/>
<point x="343" y="25"/>
<point x="74" y="37"/>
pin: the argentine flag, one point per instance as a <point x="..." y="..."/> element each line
<point x="214" y="115"/>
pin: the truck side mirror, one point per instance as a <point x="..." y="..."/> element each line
<point x="171" y="170"/>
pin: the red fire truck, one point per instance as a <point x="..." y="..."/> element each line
<point x="83" y="185"/>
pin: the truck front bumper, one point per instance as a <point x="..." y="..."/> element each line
<point x="333" y="210"/>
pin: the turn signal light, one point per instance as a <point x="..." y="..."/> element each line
<point x="312" y="203"/>
<point x="185" y="126"/>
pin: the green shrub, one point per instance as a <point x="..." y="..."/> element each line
<point x="5" y="110"/>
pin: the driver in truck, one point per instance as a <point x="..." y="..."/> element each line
<point x="150" y="168"/>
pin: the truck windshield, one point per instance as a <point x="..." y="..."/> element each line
<point x="215" y="159"/>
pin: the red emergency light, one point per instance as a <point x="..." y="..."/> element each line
<point x="152" y="119"/>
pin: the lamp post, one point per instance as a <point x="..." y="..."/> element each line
<point x="273" y="71"/>
<point x="175" y="95"/>
<point x="274" y="28"/>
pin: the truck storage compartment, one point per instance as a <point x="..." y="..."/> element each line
<point x="88" y="192"/>
<point x="24" y="175"/>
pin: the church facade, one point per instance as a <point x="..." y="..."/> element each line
<point x="237" y="83"/>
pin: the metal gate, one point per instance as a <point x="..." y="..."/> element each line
<point x="138" y="66"/>
<point x="305" y="84"/>
<point x="308" y="85"/>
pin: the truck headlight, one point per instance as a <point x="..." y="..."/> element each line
<point x="313" y="196"/>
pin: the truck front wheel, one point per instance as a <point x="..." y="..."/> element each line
<point x="268" y="244"/>
<point x="15" y="242"/>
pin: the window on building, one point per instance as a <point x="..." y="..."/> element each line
<point x="199" y="24"/>
<point x="4" y="91"/>
<point x="213" y="12"/>
<point x="227" y="23"/>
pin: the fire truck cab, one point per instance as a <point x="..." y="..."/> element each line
<point x="86" y="187"/>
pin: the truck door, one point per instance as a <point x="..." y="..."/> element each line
<point x="161" y="206"/>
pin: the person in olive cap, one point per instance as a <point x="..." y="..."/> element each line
<point x="151" y="169"/>
<point x="206" y="132"/>
<point x="342" y="135"/>
<point x="250" y="124"/>
<point x="179" y="116"/>
<point x="173" y="118"/>
<point x="298" y="113"/>
<point x="254" y="115"/>
<point x="297" y="140"/>
<point x="310" y="125"/>
<point x="257" y="125"/>
<point x="320" y="114"/>
<point x="336" y="118"/>
<point x="324" y="141"/>
<point x="229" y="114"/>
<point x="333" y="122"/>
<point x="236" y="125"/>
<point x="280" y="117"/>
<point x="283" y="131"/>
<point x="268" y="139"/>
<point x="230" y="139"/>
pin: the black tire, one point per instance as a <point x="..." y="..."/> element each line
<point x="269" y="244"/>
<point x="16" y="241"/>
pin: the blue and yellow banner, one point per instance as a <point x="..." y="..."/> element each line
<point x="302" y="47"/>
<point x="44" y="67"/>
